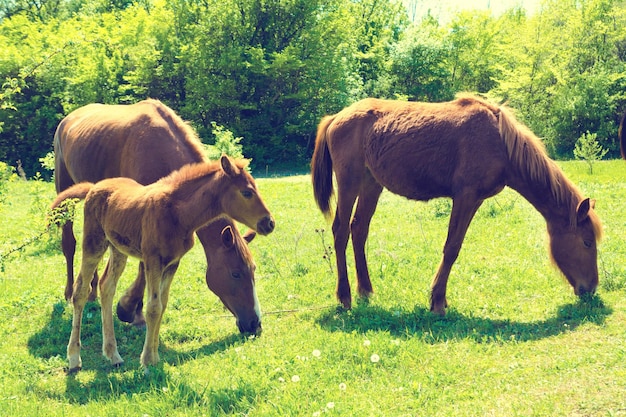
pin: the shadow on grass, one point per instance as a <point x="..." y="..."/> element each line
<point x="454" y="325"/>
<point x="100" y="381"/>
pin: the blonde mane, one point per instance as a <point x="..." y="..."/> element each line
<point x="527" y="152"/>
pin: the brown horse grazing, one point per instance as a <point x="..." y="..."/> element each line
<point x="154" y="223"/>
<point x="621" y="134"/>
<point x="467" y="150"/>
<point x="147" y="141"/>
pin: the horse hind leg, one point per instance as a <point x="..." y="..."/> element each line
<point x="359" y="227"/>
<point x="463" y="210"/>
<point x="108" y="285"/>
<point x="341" y="232"/>
<point x="91" y="258"/>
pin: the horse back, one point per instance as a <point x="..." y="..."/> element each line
<point x="427" y="150"/>
<point x="144" y="141"/>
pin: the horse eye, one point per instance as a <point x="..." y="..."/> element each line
<point x="235" y="275"/>
<point x="247" y="194"/>
<point x="587" y="244"/>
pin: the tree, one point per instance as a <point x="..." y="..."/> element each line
<point x="589" y="150"/>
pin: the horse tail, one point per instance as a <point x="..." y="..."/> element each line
<point x="79" y="191"/>
<point x="621" y="134"/>
<point x="322" y="168"/>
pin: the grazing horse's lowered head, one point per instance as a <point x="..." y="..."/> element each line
<point x="573" y="248"/>
<point x="232" y="279"/>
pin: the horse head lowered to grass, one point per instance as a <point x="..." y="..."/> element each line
<point x="154" y="223"/>
<point x="467" y="150"/>
<point x="146" y="141"/>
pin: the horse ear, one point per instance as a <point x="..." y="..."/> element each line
<point x="228" y="239"/>
<point x="250" y="234"/>
<point x="228" y="166"/>
<point x="582" y="212"/>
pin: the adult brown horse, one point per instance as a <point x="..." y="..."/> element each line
<point x="467" y="150"/>
<point x="154" y="223"/>
<point x="147" y="141"/>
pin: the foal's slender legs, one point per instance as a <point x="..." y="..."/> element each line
<point x="158" y="282"/>
<point x="463" y="209"/>
<point x="92" y="254"/>
<point x="108" y="284"/>
<point x="366" y="205"/>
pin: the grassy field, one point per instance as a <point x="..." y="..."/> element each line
<point x="515" y="341"/>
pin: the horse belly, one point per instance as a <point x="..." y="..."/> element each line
<point x="415" y="172"/>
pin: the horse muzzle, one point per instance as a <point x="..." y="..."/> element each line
<point x="583" y="291"/>
<point x="266" y="225"/>
<point x="250" y="327"/>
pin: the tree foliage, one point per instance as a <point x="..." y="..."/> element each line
<point x="267" y="70"/>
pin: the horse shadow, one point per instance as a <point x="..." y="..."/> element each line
<point x="435" y="329"/>
<point x="110" y="382"/>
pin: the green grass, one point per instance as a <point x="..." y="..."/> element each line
<point x="515" y="341"/>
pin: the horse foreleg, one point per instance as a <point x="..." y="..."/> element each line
<point x="130" y="304"/>
<point x="158" y="286"/>
<point x="366" y="206"/>
<point x="463" y="210"/>
<point x="108" y="284"/>
<point x="68" y="245"/>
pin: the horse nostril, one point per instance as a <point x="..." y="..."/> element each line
<point x="265" y="226"/>
<point x="583" y="291"/>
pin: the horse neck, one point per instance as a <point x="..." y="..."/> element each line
<point x="552" y="197"/>
<point x="197" y="200"/>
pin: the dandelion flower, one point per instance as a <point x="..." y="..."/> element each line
<point x="366" y="342"/>
<point x="281" y="379"/>
<point x="375" y="358"/>
<point x="330" y="405"/>
<point x="295" y="378"/>
<point x="317" y="353"/>
<point x="343" y="386"/>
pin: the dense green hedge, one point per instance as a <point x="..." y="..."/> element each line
<point x="269" y="69"/>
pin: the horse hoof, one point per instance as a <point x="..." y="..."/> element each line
<point x="139" y="323"/>
<point x="438" y="310"/>
<point x="364" y="295"/>
<point x="73" y="371"/>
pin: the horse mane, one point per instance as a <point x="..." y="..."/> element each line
<point x="528" y="154"/>
<point x="190" y="172"/>
<point x="199" y="170"/>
